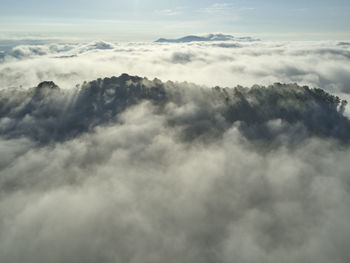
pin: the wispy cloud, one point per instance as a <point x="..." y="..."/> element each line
<point x="218" y="8"/>
<point x="170" y="12"/>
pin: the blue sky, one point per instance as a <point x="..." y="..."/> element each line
<point x="149" y="19"/>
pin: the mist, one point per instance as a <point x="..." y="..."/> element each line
<point x="135" y="169"/>
<point x="321" y="64"/>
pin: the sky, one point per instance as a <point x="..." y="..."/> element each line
<point x="146" y="20"/>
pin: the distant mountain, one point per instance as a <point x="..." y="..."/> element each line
<point x="207" y="38"/>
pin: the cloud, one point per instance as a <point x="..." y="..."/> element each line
<point x="27" y="51"/>
<point x="131" y="189"/>
<point x="97" y="45"/>
<point x="218" y="8"/>
<point x="344" y="44"/>
<point x="316" y="64"/>
<point x="170" y="12"/>
<point x="183" y="58"/>
<point x="134" y="169"/>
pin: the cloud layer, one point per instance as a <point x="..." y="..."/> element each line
<point x="317" y="64"/>
<point x="132" y="170"/>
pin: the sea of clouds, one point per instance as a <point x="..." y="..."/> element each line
<point x="134" y="169"/>
<point x="318" y="64"/>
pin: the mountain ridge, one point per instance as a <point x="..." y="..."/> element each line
<point x="260" y="113"/>
<point x="206" y="38"/>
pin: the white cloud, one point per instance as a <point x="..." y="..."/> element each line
<point x="133" y="192"/>
<point x="170" y="12"/>
<point x="319" y="64"/>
